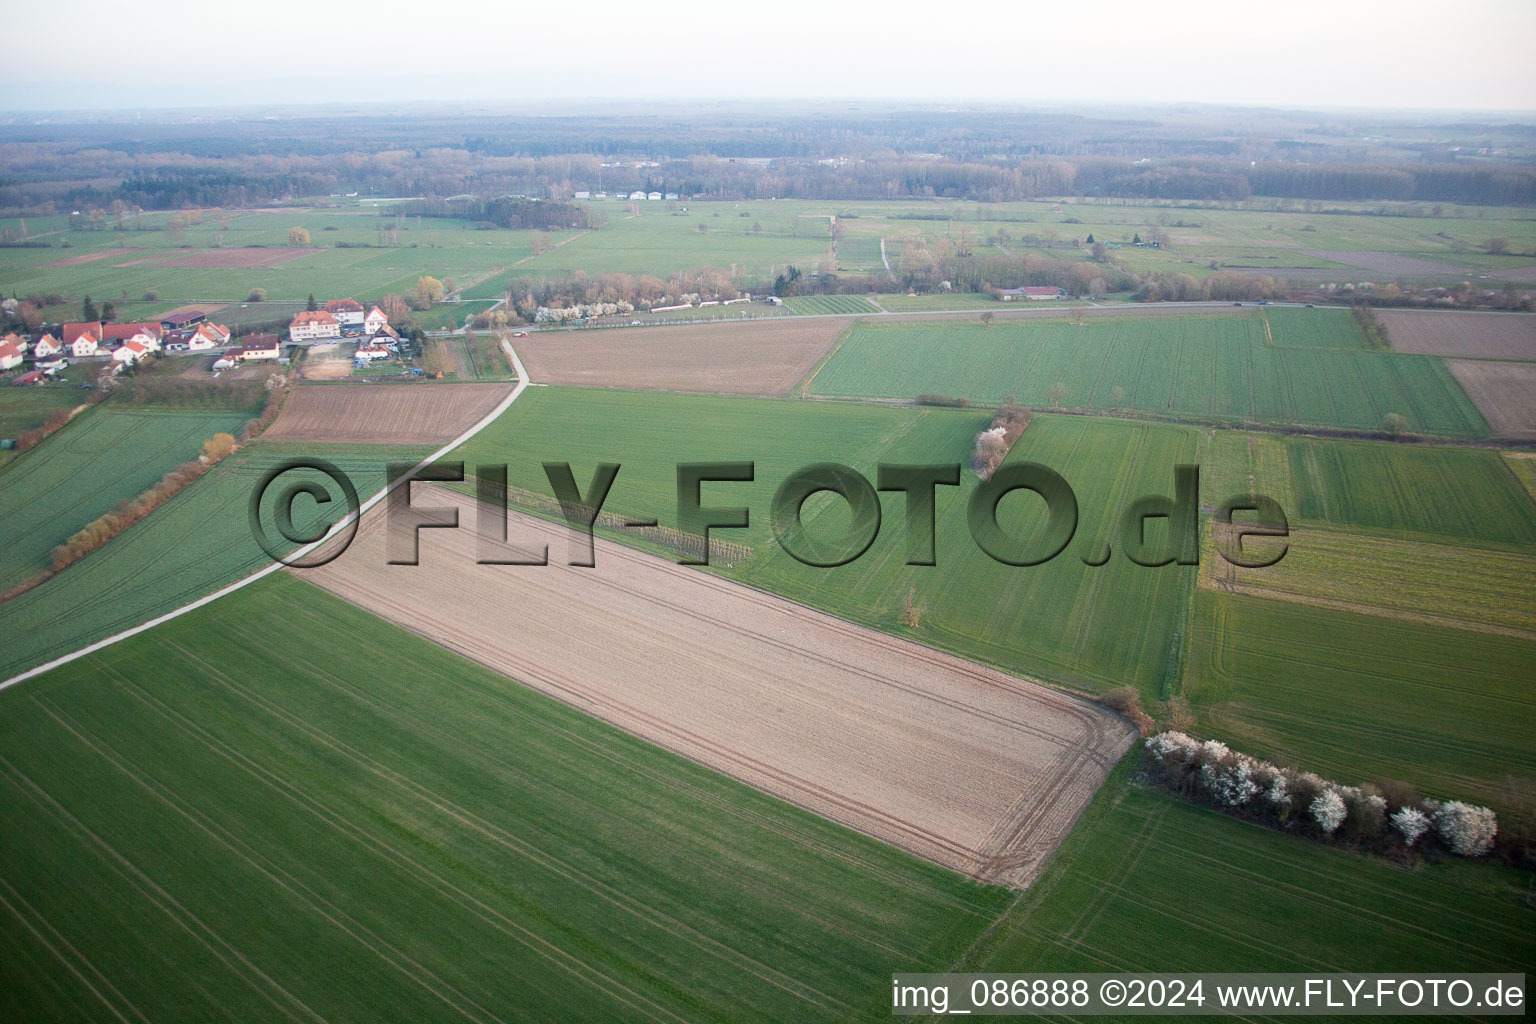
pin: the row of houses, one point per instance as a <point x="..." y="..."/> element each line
<point x="256" y="348"/>
<point x="637" y="195"/>
<point x="336" y="319"/>
<point x="122" y="344"/>
<point x="1030" y="294"/>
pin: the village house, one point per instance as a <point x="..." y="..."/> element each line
<point x="73" y="331"/>
<point x="375" y="321"/>
<point x="84" y="344"/>
<point x="146" y="334"/>
<point x="386" y="336"/>
<point x="10" y="352"/>
<point x="208" y="336"/>
<point x="47" y="346"/>
<point x="368" y="353"/>
<point x="260" y="346"/>
<point x="314" y="326"/>
<point x="228" y="358"/>
<point x="130" y="353"/>
<point x="348" y="312"/>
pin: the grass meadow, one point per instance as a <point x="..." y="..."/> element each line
<point x="102" y="457"/>
<point x="197" y="542"/>
<point x="355" y="823"/>
<point x="1213" y="368"/>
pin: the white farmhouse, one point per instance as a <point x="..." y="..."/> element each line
<point x="375" y="321"/>
<point x="314" y="326"/>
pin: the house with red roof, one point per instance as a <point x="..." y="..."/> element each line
<point x="130" y="352"/>
<point x="73" y="331"/>
<point x="375" y="321"/>
<point x="259" y="346"/>
<point x="47" y="346"/>
<point x="146" y="334"/>
<point x="348" y="312"/>
<point x="314" y="325"/>
<point x="208" y="336"/>
<point x="11" y="351"/>
<point x="85" y="343"/>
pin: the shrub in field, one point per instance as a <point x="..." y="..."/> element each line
<point x="1410" y="823"/>
<point x="1230" y="784"/>
<point x="1388" y="817"/>
<point x="947" y="401"/>
<point x="1127" y="701"/>
<point x="1467" y="829"/>
<point x="1328" y="811"/>
<point x="994" y="443"/>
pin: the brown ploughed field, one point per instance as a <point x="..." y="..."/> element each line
<point x="761" y="357"/>
<point x="967" y="766"/>
<point x="1464" y="334"/>
<point x="383" y="413"/>
<point x="1505" y="393"/>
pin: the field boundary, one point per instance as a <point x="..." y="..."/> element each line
<point x="487" y="420"/>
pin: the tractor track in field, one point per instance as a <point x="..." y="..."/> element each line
<point x="953" y="761"/>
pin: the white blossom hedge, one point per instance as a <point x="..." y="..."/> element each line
<point x="1291" y="799"/>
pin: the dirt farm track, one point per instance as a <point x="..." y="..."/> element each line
<point x="969" y="767"/>
<point x="383" y="413"/>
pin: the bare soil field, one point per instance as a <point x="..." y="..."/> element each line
<point x="383" y="413"/>
<point x="206" y="308"/>
<point x="327" y="362"/>
<point x="90" y="257"/>
<point x="763" y="357"/>
<point x="1464" y="334"/>
<point x="1505" y="393"/>
<point x="1387" y="263"/>
<point x="977" y="770"/>
<point x="238" y="259"/>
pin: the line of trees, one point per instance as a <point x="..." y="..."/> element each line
<point x="103" y="528"/>
<point x="507" y="190"/>
<point x="1384" y="817"/>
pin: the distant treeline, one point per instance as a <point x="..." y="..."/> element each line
<point x="513" y="212"/>
<point x="54" y="183"/>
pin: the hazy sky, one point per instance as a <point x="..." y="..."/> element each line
<point x="1472" y="54"/>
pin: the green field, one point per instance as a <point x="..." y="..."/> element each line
<point x="1470" y="495"/>
<point x="449" y="316"/>
<point x="102" y="457"/>
<point x="358" y="824"/>
<point x="1359" y="697"/>
<point x="1448" y="583"/>
<point x="758" y="239"/>
<point x="22" y="409"/>
<point x="822" y="304"/>
<point x="1063" y="620"/>
<point x="197" y="542"/>
<point x="1219" y="368"/>
<point x="947" y="302"/>
<point x="1150" y="883"/>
